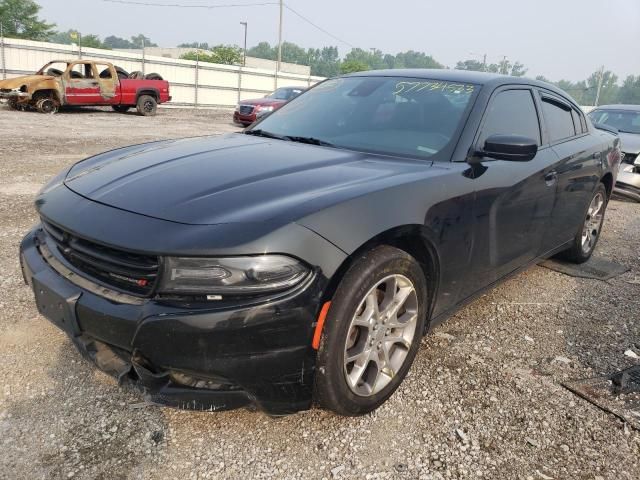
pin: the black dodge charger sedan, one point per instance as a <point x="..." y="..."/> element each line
<point x="302" y="260"/>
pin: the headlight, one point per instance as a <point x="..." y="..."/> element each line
<point x="237" y="107"/>
<point x="266" y="109"/>
<point x="231" y="275"/>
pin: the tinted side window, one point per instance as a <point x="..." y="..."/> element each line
<point x="511" y="112"/>
<point x="558" y="119"/>
<point x="576" y="122"/>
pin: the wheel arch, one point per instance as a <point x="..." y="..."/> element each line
<point x="413" y="239"/>
<point x="47" y="93"/>
<point x="607" y="180"/>
<point x="148" y="91"/>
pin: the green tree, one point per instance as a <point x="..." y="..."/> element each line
<point x="263" y="50"/>
<point x="473" y="65"/>
<point x="116" y="42"/>
<point x="630" y="90"/>
<point x="73" y="36"/>
<point x="413" y="59"/>
<point x="350" y="66"/>
<point x="221" y="54"/>
<point x="325" y="62"/>
<point x="373" y="59"/>
<point x="20" y="20"/>
<point x="200" y="45"/>
<point x="140" y="40"/>
<point x="505" y="67"/>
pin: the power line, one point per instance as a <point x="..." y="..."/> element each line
<point x="230" y="5"/>
<point x="317" y="26"/>
<point x="180" y="5"/>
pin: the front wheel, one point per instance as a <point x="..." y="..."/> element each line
<point x="586" y="239"/>
<point x="372" y="332"/>
<point x="147" y="105"/>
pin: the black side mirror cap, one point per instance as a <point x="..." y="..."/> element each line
<point x="514" y="148"/>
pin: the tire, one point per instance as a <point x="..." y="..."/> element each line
<point x="13" y="104"/>
<point x="147" y="105"/>
<point x="121" y="108"/>
<point x="367" y="281"/>
<point x="153" y="76"/>
<point x="583" y="247"/>
<point x="47" y="105"/>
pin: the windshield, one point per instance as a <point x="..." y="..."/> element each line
<point x="390" y="115"/>
<point x="626" y="121"/>
<point x="54" y="69"/>
<point x="285" y="93"/>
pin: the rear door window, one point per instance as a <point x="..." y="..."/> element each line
<point x="558" y="118"/>
<point x="511" y="112"/>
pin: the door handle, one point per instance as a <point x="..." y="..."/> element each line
<point x="551" y="178"/>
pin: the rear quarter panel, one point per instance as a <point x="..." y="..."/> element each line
<point x="131" y="89"/>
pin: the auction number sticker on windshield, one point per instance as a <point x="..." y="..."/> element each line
<point x="405" y="87"/>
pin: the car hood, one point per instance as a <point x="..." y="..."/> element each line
<point x="17" y="82"/>
<point x="235" y="178"/>
<point x="630" y="142"/>
<point x="262" y="101"/>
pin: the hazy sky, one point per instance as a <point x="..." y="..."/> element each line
<point x="567" y="39"/>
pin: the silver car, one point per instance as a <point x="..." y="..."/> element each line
<point x="626" y="120"/>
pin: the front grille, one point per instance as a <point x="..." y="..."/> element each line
<point x="126" y="271"/>
<point x="246" y="109"/>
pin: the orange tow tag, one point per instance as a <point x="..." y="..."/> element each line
<point x="318" y="332"/>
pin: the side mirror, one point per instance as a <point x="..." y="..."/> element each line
<point x="514" y="148"/>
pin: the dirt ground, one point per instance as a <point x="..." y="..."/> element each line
<point x="483" y="400"/>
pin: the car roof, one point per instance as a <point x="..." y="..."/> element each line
<point x="464" y="76"/>
<point x="631" y="108"/>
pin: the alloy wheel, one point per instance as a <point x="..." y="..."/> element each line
<point x="380" y="335"/>
<point x="593" y="223"/>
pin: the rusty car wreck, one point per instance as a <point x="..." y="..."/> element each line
<point x="85" y="83"/>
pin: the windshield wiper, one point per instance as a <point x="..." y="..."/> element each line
<point x="258" y="132"/>
<point x="310" y="140"/>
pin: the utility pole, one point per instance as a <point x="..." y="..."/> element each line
<point x="600" y="79"/>
<point x="79" y="45"/>
<point x="280" y="37"/>
<point x="503" y="68"/>
<point x="197" y="78"/>
<point x="142" y="55"/>
<point x="244" y="50"/>
<point x="484" y="62"/>
<point x="4" y="68"/>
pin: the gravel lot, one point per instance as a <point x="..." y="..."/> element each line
<point x="483" y="399"/>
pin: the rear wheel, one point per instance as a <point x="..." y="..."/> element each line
<point x="121" y="108"/>
<point x="372" y="332"/>
<point x="586" y="239"/>
<point x="147" y="105"/>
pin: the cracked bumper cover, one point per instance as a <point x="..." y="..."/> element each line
<point x="14" y="94"/>
<point x="254" y="354"/>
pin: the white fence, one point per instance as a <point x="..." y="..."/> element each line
<point x="193" y="84"/>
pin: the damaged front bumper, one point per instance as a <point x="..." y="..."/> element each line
<point x="628" y="181"/>
<point x="183" y="355"/>
<point x="14" y="94"/>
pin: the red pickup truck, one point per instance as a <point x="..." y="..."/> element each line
<point x="85" y="82"/>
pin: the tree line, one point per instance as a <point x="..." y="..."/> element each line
<point x="20" y="20"/>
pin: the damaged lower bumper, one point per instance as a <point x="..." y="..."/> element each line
<point x="628" y="182"/>
<point x="7" y="95"/>
<point x="185" y="356"/>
